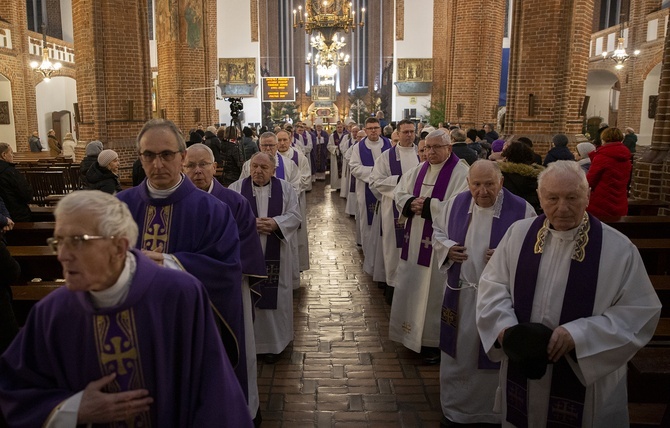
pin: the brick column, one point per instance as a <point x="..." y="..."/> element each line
<point x="112" y="64"/>
<point x="14" y="65"/>
<point x="549" y="60"/>
<point x="187" y="61"/>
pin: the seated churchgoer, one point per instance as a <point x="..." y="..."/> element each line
<point x="559" y="150"/>
<point x="521" y="173"/>
<point x="14" y="188"/>
<point x="582" y="155"/>
<point x="125" y="341"/>
<point x="69" y="146"/>
<point x="275" y="204"/>
<point x="103" y="175"/>
<point x="93" y="149"/>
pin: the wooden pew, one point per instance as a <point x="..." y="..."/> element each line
<point x="646" y="207"/>
<point x="31" y="233"/>
<point x="38" y="214"/>
<point x="36" y="262"/>
<point x="35" y="291"/>
<point x="655" y="253"/>
<point x="641" y="226"/>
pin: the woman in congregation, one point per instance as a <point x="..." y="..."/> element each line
<point x="103" y="175"/>
<point x="69" y="144"/>
<point x="608" y="176"/>
<point x="520" y="173"/>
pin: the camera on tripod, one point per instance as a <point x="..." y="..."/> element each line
<point x="235" y="106"/>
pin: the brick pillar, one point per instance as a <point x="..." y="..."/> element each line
<point x="187" y="61"/>
<point x="112" y="64"/>
<point x="373" y="27"/>
<point x="16" y="69"/>
<point x="442" y="46"/>
<point x="549" y="59"/>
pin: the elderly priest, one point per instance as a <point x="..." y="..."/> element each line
<point x="124" y="343"/>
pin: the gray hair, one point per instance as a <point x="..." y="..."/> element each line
<point x="166" y="124"/>
<point x="4" y="147"/>
<point x="203" y="147"/>
<point x="442" y="134"/>
<point x="458" y="135"/>
<point x="268" y="135"/>
<point x="112" y="217"/>
<point x="563" y="168"/>
<point x="266" y="155"/>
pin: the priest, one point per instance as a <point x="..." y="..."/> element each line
<point x="384" y="178"/>
<point x="275" y="205"/>
<point x="320" y="152"/>
<point x="124" y="342"/>
<point x="336" y="156"/>
<point x="361" y="162"/>
<point x="182" y="228"/>
<point x="347" y="141"/>
<point x="566" y="289"/>
<point x="465" y="236"/>
<point x="420" y="196"/>
<point x="199" y="167"/>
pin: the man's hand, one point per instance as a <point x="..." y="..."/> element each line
<point x="10" y="225"/>
<point x="266" y="225"/>
<point x="488" y="255"/>
<point x="417" y="205"/>
<point x="457" y="254"/>
<point x="560" y="343"/>
<point x="102" y="407"/>
<point x="155" y="255"/>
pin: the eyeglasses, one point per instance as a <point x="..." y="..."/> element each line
<point x="268" y="145"/>
<point x="373" y="128"/>
<point x="75" y="242"/>
<point x="434" y="147"/>
<point x="201" y="165"/>
<point x="166" y="156"/>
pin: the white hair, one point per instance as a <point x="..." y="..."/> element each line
<point x="442" y="134"/>
<point x="565" y="168"/>
<point x="200" y="146"/>
<point x="112" y="217"/>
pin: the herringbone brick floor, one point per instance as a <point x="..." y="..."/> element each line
<point x="341" y="369"/>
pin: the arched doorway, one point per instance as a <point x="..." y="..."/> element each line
<point x="649" y="92"/>
<point x="602" y="88"/>
<point x="7" y="125"/>
<point x="57" y="95"/>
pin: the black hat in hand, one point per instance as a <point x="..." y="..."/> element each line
<point x="526" y="344"/>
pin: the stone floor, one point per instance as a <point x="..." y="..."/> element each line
<point x="341" y="369"/>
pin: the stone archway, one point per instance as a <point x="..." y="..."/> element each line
<point x="7" y="122"/>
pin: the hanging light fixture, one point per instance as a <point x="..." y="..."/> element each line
<point x="327" y="17"/>
<point x="328" y="58"/>
<point x="46" y="68"/>
<point x="619" y="55"/>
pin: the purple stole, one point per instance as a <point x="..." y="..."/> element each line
<point x="336" y="139"/>
<point x="440" y="189"/>
<point x="294" y="158"/>
<point x="279" y="173"/>
<point x="566" y="402"/>
<point x="368" y="160"/>
<point x="352" y="179"/>
<point x="513" y="209"/>
<point x="270" y="285"/>
<point x="396" y="169"/>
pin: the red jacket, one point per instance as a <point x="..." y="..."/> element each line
<point x="608" y="178"/>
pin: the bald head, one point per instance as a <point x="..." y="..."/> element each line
<point x="485" y="182"/>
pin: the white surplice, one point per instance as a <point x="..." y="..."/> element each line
<point x="626" y="311"/>
<point x="305" y="183"/>
<point x="345" y="143"/>
<point x="335" y="180"/>
<point x="273" y="328"/>
<point x="417" y="301"/>
<point x="351" y="208"/>
<point x="383" y="183"/>
<point x="467" y="393"/>
<point x="369" y="237"/>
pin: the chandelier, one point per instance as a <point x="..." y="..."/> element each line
<point x="46" y="68"/>
<point x="327" y="17"/>
<point x="620" y="56"/>
<point x="328" y="58"/>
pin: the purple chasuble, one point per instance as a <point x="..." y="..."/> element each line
<point x="338" y="155"/>
<point x="320" y="151"/>
<point x="440" y="189"/>
<point x="279" y="172"/>
<point x="294" y="158"/>
<point x="269" y="286"/>
<point x="567" y="394"/>
<point x="162" y="337"/>
<point x="396" y="169"/>
<point x="201" y="234"/>
<point x="367" y="159"/>
<point x="513" y="209"/>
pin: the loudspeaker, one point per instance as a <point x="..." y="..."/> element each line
<point x="585" y="106"/>
<point x="531" y="105"/>
<point x="77" y="114"/>
<point x="130" y="103"/>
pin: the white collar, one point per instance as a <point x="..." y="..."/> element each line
<point x="117" y="293"/>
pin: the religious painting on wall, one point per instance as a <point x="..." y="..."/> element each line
<point x="154" y="94"/>
<point x="4" y="113"/>
<point x="237" y="71"/>
<point x="193" y="18"/>
<point x="167" y="23"/>
<point x="323" y="93"/>
<point x="415" y="70"/>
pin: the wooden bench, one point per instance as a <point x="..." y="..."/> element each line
<point x="36" y="262"/>
<point x="39" y="214"/>
<point x="655" y="253"/>
<point x="35" y="291"/>
<point x="646" y="207"/>
<point x="641" y="226"/>
<point x="30" y="233"/>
